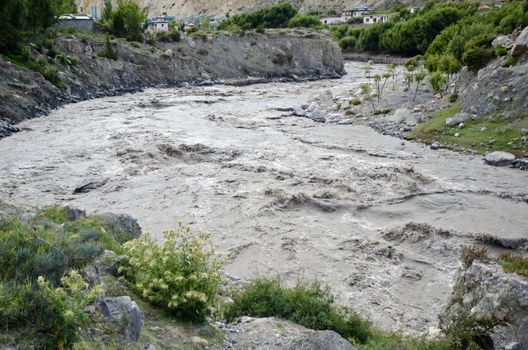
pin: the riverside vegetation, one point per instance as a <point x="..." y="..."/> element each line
<point x="45" y="294"/>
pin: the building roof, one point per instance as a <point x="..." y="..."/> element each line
<point x="75" y="16"/>
<point x="362" y="8"/>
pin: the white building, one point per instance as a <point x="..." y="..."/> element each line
<point x="359" y="11"/>
<point x="375" y="18"/>
<point x="159" y="23"/>
<point x="333" y="20"/>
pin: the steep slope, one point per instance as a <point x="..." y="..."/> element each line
<point x="217" y="8"/>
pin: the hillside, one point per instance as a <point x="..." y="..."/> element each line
<point x="187" y="8"/>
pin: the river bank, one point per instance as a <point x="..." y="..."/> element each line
<point x="205" y="60"/>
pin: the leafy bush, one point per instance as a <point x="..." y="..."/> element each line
<point x="55" y="314"/>
<point x="347" y="43"/>
<point x="168" y="37"/>
<point x="108" y="51"/>
<point x="275" y="16"/>
<point x="467" y="333"/>
<point x="438" y="81"/>
<point x="181" y="276"/>
<point x="282" y="58"/>
<point x="309" y="305"/>
<point x="512" y="262"/>
<point x="501" y="51"/>
<point x="476" y="57"/>
<point x="305" y="21"/>
<point x="127" y="19"/>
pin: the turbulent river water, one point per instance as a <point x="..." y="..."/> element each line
<point x="380" y="220"/>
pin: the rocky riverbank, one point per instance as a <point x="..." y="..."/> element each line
<point x="220" y="58"/>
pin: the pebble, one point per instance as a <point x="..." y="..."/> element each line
<point x="461" y="125"/>
<point x="483" y="129"/>
<point x="491" y="142"/>
<point x="457" y="135"/>
<point x="435" y="146"/>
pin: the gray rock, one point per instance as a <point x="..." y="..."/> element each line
<point x="521" y="164"/>
<point x="499" y="158"/>
<point x="299" y="112"/>
<point x="504" y="41"/>
<point x="125" y="313"/>
<point x="322" y="340"/>
<point x="414" y="119"/>
<point x="7" y="129"/>
<point x="75" y="214"/>
<point x="89" y="185"/>
<point x="461" y="125"/>
<point x="122" y="227"/>
<point x="150" y="347"/>
<point x="513" y="346"/>
<point x="484" y="291"/>
<point x="521" y="44"/>
<point x="435" y="146"/>
<point x="457" y="119"/>
<point x="399" y="115"/>
<point x="273" y="333"/>
<point x="524" y="131"/>
<point x="105" y="264"/>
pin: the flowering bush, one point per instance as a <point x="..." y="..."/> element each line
<point x="181" y="275"/>
<point x="53" y="313"/>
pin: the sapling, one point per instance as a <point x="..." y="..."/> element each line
<point x="366" y="91"/>
<point x="418" y="78"/>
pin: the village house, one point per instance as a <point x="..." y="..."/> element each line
<point x="77" y="21"/>
<point x="159" y="23"/>
<point x="356" y="12"/>
<point x="375" y="18"/>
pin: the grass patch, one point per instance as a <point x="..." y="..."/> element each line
<point x="514" y="263"/>
<point x="484" y="134"/>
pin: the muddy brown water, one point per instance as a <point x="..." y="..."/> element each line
<point x="281" y="196"/>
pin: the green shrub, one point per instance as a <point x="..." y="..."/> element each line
<point x="49" y="317"/>
<point x="466" y="333"/>
<point x="282" y="58"/>
<point x="309" y="305"/>
<point x="438" y="81"/>
<point x="305" y="21"/>
<point x="274" y="16"/>
<point x="181" y="276"/>
<point x="203" y="51"/>
<point x="509" y="62"/>
<point x="501" y="51"/>
<point x="355" y="102"/>
<point x="476" y="57"/>
<point x="347" y="43"/>
<point x="514" y="263"/>
<point x="108" y="51"/>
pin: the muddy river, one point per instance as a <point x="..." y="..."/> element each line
<point x="381" y="220"/>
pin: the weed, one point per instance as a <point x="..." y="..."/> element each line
<point x="514" y="263"/>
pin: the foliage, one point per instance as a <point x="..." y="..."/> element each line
<point x="471" y="253"/>
<point x="108" y="51"/>
<point x="127" y="20"/>
<point x="181" y="276"/>
<point x="347" y="43"/>
<point x="309" y="305"/>
<point x="305" y="21"/>
<point x="275" y="16"/>
<point x="169" y="37"/>
<point x="514" y="263"/>
<point x="467" y="333"/>
<point x="438" y="81"/>
<point x="54" y="313"/>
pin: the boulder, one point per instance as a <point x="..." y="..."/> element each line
<point x="435" y="146"/>
<point x="414" y="119"/>
<point x="89" y="185"/>
<point x="273" y="333"/>
<point x="504" y="41"/>
<point x="521" y="164"/>
<point x="399" y="115"/>
<point x="521" y="44"/>
<point x="499" y="158"/>
<point x="483" y="291"/>
<point x="105" y="264"/>
<point x="122" y="227"/>
<point x="125" y="313"/>
<point x="457" y="119"/>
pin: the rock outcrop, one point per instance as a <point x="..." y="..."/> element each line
<point x="221" y="58"/>
<point x="485" y="292"/>
<point x="273" y="333"/>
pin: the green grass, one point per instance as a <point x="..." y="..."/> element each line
<point x="476" y="134"/>
<point x="514" y="263"/>
<point x="312" y="306"/>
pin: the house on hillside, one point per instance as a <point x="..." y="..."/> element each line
<point x="356" y="12"/>
<point x="159" y="23"/>
<point x="78" y="21"/>
<point x="375" y="18"/>
<point x="332" y="20"/>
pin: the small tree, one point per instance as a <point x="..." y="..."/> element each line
<point x="108" y="51"/>
<point x="107" y="11"/>
<point x="127" y="20"/>
<point x="418" y="78"/>
<point x="438" y="80"/>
